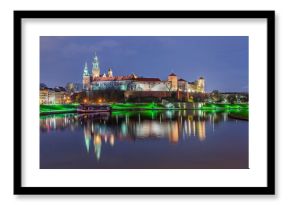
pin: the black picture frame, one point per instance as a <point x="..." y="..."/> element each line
<point x="269" y="189"/>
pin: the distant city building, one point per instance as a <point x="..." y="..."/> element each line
<point x="57" y="95"/>
<point x="96" y="81"/>
<point x="44" y="95"/>
<point x="42" y="85"/>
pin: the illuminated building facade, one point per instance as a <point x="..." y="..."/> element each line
<point x="57" y="95"/>
<point x="97" y="81"/>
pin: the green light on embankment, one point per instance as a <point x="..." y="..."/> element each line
<point x="136" y="106"/>
<point x="58" y="108"/>
<point x="238" y="110"/>
<point x="224" y="106"/>
<point x="73" y="107"/>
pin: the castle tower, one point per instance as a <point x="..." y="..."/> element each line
<point x="174" y="83"/>
<point x="110" y="73"/>
<point x="201" y="85"/>
<point x="86" y="78"/>
<point x="96" y="67"/>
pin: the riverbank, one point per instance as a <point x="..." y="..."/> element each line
<point x="238" y="111"/>
<point x="58" y="108"/>
<point x="214" y="106"/>
<point x="137" y="106"/>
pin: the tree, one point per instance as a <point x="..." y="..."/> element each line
<point x="231" y="98"/>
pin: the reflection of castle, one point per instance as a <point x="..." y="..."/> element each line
<point x="124" y="127"/>
<point x="100" y="132"/>
<point x="98" y="81"/>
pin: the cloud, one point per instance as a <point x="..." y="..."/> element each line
<point x="68" y="46"/>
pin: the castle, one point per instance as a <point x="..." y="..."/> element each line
<point x="98" y="81"/>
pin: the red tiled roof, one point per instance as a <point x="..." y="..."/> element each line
<point x="147" y="79"/>
<point x="129" y="77"/>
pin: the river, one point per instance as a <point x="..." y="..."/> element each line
<point x="184" y="139"/>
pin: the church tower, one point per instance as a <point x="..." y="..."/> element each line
<point x="174" y="82"/>
<point x="86" y="78"/>
<point x="96" y="67"/>
<point x="110" y="72"/>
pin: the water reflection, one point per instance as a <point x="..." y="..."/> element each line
<point x="99" y="130"/>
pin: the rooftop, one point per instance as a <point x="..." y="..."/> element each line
<point x="147" y="79"/>
<point x="129" y="77"/>
<point x="172" y="74"/>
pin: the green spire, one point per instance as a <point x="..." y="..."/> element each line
<point x="86" y="71"/>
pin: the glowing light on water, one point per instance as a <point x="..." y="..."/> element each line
<point x="98" y="145"/>
<point x="124" y="129"/>
<point x="112" y="140"/>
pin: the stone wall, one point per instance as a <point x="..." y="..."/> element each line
<point x="157" y="94"/>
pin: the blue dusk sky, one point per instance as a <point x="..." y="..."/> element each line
<point x="221" y="60"/>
